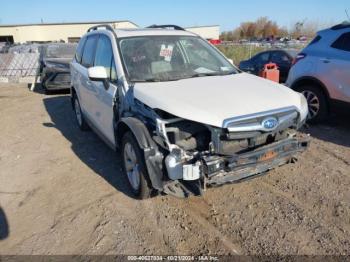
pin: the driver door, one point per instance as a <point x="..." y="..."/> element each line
<point x="102" y="101"/>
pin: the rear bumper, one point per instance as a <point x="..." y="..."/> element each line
<point x="246" y="165"/>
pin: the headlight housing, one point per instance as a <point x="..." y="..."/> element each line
<point x="304" y="107"/>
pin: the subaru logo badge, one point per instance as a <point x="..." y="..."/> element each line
<point x="269" y="123"/>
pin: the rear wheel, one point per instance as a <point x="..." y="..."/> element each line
<point x="134" y="167"/>
<point x="317" y="102"/>
<point x="79" y="114"/>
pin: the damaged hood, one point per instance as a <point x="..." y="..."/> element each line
<point x="211" y="100"/>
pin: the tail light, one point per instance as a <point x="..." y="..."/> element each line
<point x="298" y="58"/>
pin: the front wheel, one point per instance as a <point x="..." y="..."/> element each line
<point x="134" y="167"/>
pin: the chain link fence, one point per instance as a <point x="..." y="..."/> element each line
<point x="14" y="66"/>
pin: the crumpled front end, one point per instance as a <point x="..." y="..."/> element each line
<point x="201" y="156"/>
<point x="197" y="155"/>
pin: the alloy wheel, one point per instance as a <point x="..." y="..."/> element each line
<point x="132" y="166"/>
<point x="78" y="112"/>
<point x="313" y="103"/>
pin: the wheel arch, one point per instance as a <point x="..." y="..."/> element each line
<point x="136" y="127"/>
<point x="310" y="80"/>
<point x="153" y="158"/>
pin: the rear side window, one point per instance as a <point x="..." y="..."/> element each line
<point x="104" y="54"/>
<point x="315" y="40"/>
<point x="279" y="57"/>
<point x="79" y="51"/>
<point x="89" y="51"/>
<point x="343" y="42"/>
<point x="262" y="58"/>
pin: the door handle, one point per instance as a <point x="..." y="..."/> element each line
<point x="326" y="61"/>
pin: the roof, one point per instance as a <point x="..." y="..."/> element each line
<point x="72" y="23"/>
<point x="150" y="31"/>
<point x="341" y="26"/>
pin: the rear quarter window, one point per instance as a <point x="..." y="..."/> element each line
<point x="315" y="40"/>
<point x="79" y="51"/>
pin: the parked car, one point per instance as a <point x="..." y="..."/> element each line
<point x="283" y="59"/>
<point x="183" y="117"/>
<point x="322" y="71"/>
<point x="55" y="72"/>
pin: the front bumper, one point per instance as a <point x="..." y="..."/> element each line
<point x="216" y="170"/>
<point x="224" y="170"/>
<point x="56" y="80"/>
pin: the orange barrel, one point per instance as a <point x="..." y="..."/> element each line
<point x="271" y="72"/>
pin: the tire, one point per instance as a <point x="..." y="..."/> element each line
<point x="79" y="117"/>
<point x="44" y="88"/>
<point x="317" y="102"/>
<point x="134" y="167"/>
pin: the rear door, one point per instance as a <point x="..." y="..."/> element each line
<point x="86" y="89"/>
<point x="102" y="97"/>
<point x="77" y="70"/>
<point x="339" y="68"/>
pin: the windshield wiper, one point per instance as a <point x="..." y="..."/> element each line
<point x="204" y="74"/>
<point x="212" y="74"/>
<point x="155" y="80"/>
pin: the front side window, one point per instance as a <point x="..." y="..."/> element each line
<point x="114" y="76"/>
<point x="169" y="58"/>
<point x="343" y="42"/>
<point x="104" y="54"/>
<point x="89" y="51"/>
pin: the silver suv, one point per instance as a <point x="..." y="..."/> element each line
<point x="183" y="116"/>
<point x="322" y="71"/>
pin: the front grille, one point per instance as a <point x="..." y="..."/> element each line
<point x="286" y="117"/>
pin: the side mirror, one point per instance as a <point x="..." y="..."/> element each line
<point x="98" y="74"/>
<point x="230" y="60"/>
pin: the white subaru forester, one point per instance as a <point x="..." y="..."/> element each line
<point x="183" y="117"/>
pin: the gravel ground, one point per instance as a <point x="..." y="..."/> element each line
<point x="62" y="192"/>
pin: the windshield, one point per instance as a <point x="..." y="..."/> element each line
<point x="60" y="50"/>
<point x="169" y="58"/>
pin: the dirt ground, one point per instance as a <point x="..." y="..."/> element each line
<point x="62" y="192"/>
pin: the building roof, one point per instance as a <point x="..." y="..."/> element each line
<point x="202" y="26"/>
<point x="72" y="23"/>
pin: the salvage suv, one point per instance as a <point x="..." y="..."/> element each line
<point x="183" y="117"/>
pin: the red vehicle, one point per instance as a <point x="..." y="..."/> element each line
<point x="215" y="41"/>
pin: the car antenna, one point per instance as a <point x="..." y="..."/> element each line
<point x="346" y="12"/>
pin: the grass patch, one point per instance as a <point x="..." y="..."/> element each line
<point x="240" y="52"/>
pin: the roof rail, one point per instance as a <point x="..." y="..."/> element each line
<point x="175" y="27"/>
<point x="96" y="27"/>
<point x="341" y="26"/>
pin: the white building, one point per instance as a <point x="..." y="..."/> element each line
<point x="71" y="32"/>
<point x="211" y="32"/>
